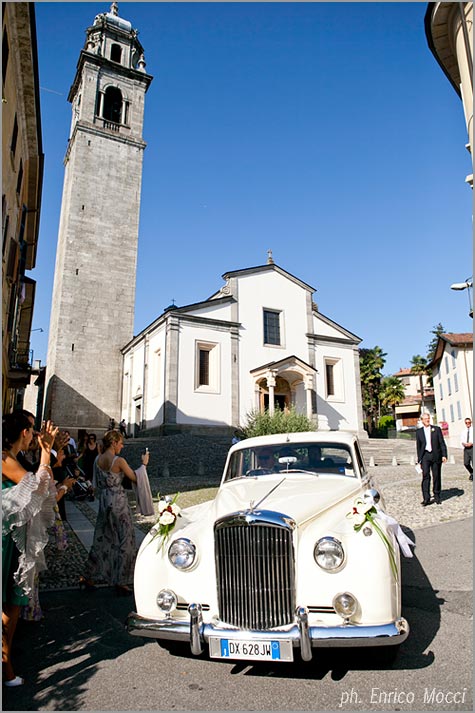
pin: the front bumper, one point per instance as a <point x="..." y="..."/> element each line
<point x="302" y="635"/>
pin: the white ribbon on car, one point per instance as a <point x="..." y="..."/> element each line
<point x="394" y="528"/>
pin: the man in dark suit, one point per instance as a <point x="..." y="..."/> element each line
<point x="431" y="453"/>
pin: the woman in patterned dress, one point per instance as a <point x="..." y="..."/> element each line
<point x="113" y="552"/>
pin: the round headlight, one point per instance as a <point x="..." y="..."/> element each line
<point x="182" y="553"/>
<point x="345" y="604"/>
<point x="166" y="600"/>
<point x="329" y="554"/>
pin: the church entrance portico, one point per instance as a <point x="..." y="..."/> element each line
<point x="288" y="382"/>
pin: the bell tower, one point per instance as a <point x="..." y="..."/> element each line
<point x="92" y="309"/>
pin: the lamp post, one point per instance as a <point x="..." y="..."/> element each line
<point x="467" y="285"/>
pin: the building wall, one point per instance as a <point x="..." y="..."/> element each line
<point x="341" y="409"/>
<point x="208" y="405"/>
<point x="453" y="389"/>
<point x="22" y="179"/>
<point x="274" y="292"/>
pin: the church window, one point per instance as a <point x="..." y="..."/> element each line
<point x="113" y="105"/>
<point x="156" y="372"/>
<point x="207" y="367"/>
<point x="204" y="367"/>
<point x="116" y="53"/>
<point x="329" y="368"/>
<point x="272" y="327"/>
<point x="125" y="119"/>
<point x="334" y="379"/>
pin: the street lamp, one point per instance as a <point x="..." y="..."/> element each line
<point x="467" y="285"/>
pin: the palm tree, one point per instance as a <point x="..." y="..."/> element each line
<point x="420" y="366"/>
<point x="371" y="364"/>
<point x="392" y="393"/>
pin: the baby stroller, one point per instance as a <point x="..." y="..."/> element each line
<point x="82" y="488"/>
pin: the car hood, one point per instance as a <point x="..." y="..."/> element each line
<point x="300" y="496"/>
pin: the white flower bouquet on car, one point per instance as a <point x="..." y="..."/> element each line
<point x="168" y="512"/>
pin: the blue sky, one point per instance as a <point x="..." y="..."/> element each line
<point x="326" y="132"/>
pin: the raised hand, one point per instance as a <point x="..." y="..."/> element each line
<point x="47" y="435"/>
<point x="60" y="441"/>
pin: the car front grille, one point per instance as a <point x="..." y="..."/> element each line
<point x="255" y="571"/>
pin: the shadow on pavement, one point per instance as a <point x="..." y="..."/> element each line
<point x="90" y="629"/>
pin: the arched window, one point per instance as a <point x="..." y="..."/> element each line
<point x="116" y="53"/>
<point x="113" y="105"/>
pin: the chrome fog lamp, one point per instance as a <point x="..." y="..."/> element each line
<point x="182" y="553"/>
<point x="345" y="604"/>
<point x="372" y="494"/>
<point x="329" y="554"/>
<point x="166" y="600"/>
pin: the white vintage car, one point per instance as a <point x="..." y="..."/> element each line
<point x="294" y="552"/>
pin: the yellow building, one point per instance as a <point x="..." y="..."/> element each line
<point x="22" y="178"/>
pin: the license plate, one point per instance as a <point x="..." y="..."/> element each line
<point x="251" y="649"/>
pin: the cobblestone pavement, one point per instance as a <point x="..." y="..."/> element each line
<point x="401" y="487"/>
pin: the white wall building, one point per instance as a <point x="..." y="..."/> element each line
<point x="453" y="382"/>
<point x="257" y="342"/>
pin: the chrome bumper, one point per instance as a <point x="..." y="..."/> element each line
<point x="302" y="635"/>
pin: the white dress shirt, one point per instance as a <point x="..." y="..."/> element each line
<point x="427" y="430"/>
<point x="466" y="432"/>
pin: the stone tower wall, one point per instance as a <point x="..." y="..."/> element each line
<point x="94" y="289"/>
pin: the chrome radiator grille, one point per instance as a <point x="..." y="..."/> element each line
<point x="255" y="574"/>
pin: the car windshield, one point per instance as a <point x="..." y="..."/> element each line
<point x="317" y="458"/>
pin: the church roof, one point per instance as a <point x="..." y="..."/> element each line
<point x="267" y="268"/>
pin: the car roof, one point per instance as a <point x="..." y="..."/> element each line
<point x="345" y="437"/>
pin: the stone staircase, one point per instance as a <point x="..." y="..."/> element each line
<point x="180" y="456"/>
<point x="382" y="451"/>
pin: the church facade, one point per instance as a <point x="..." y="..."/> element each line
<point x="258" y="343"/>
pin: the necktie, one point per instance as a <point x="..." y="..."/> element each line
<point x="468" y="436"/>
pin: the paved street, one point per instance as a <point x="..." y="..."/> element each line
<point x="79" y="657"/>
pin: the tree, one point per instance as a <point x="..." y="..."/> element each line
<point x="437" y="330"/>
<point x="392" y="393"/>
<point x="262" y="423"/>
<point x="420" y="366"/>
<point x="372" y="362"/>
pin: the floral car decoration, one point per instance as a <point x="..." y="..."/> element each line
<point x="168" y="512"/>
<point x="294" y="553"/>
